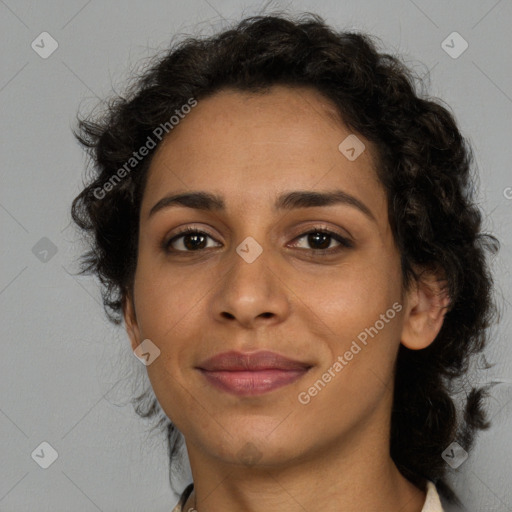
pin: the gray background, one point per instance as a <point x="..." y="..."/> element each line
<point x="66" y="375"/>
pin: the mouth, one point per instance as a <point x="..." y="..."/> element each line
<point x="246" y="374"/>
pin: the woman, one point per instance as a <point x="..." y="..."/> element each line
<point x="288" y="232"/>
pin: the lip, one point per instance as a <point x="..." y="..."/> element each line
<point x="246" y="374"/>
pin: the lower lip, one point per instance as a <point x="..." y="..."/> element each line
<point x="246" y="383"/>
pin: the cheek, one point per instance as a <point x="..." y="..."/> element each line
<point x="358" y="292"/>
<point x="358" y="313"/>
<point x="166" y="298"/>
<point x="363" y="337"/>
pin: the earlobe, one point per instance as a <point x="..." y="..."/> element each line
<point x="428" y="302"/>
<point x="130" y="320"/>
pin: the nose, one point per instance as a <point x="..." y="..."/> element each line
<point x="251" y="294"/>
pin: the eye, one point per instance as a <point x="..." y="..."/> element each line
<point x="190" y="239"/>
<point x="193" y="240"/>
<point x="321" y="239"/>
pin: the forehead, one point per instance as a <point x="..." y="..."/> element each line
<point x="251" y="146"/>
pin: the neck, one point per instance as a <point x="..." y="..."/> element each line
<point x="354" y="474"/>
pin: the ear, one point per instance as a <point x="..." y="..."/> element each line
<point x="130" y="320"/>
<point x="427" y="304"/>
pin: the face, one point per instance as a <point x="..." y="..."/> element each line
<point x="315" y="281"/>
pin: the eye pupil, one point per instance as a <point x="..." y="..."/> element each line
<point x="196" y="243"/>
<point x="313" y="239"/>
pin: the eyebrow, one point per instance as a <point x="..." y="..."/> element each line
<point x="287" y="201"/>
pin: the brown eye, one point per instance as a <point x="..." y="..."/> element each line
<point x="321" y="239"/>
<point x="190" y="240"/>
<point x="193" y="240"/>
<point x="318" y="240"/>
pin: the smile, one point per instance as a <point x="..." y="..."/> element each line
<point x="251" y="374"/>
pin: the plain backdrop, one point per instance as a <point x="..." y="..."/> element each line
<point x="66" y="374"/>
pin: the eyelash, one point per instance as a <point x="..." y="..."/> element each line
<point x="344" y="242"/>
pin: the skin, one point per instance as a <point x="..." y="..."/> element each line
<point x="333" y="453"/>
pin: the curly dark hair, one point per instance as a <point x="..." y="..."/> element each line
<point x="424" y="164"/>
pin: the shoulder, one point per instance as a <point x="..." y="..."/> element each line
<point x="183" y="498"/>
<point x="432" y="501"/>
